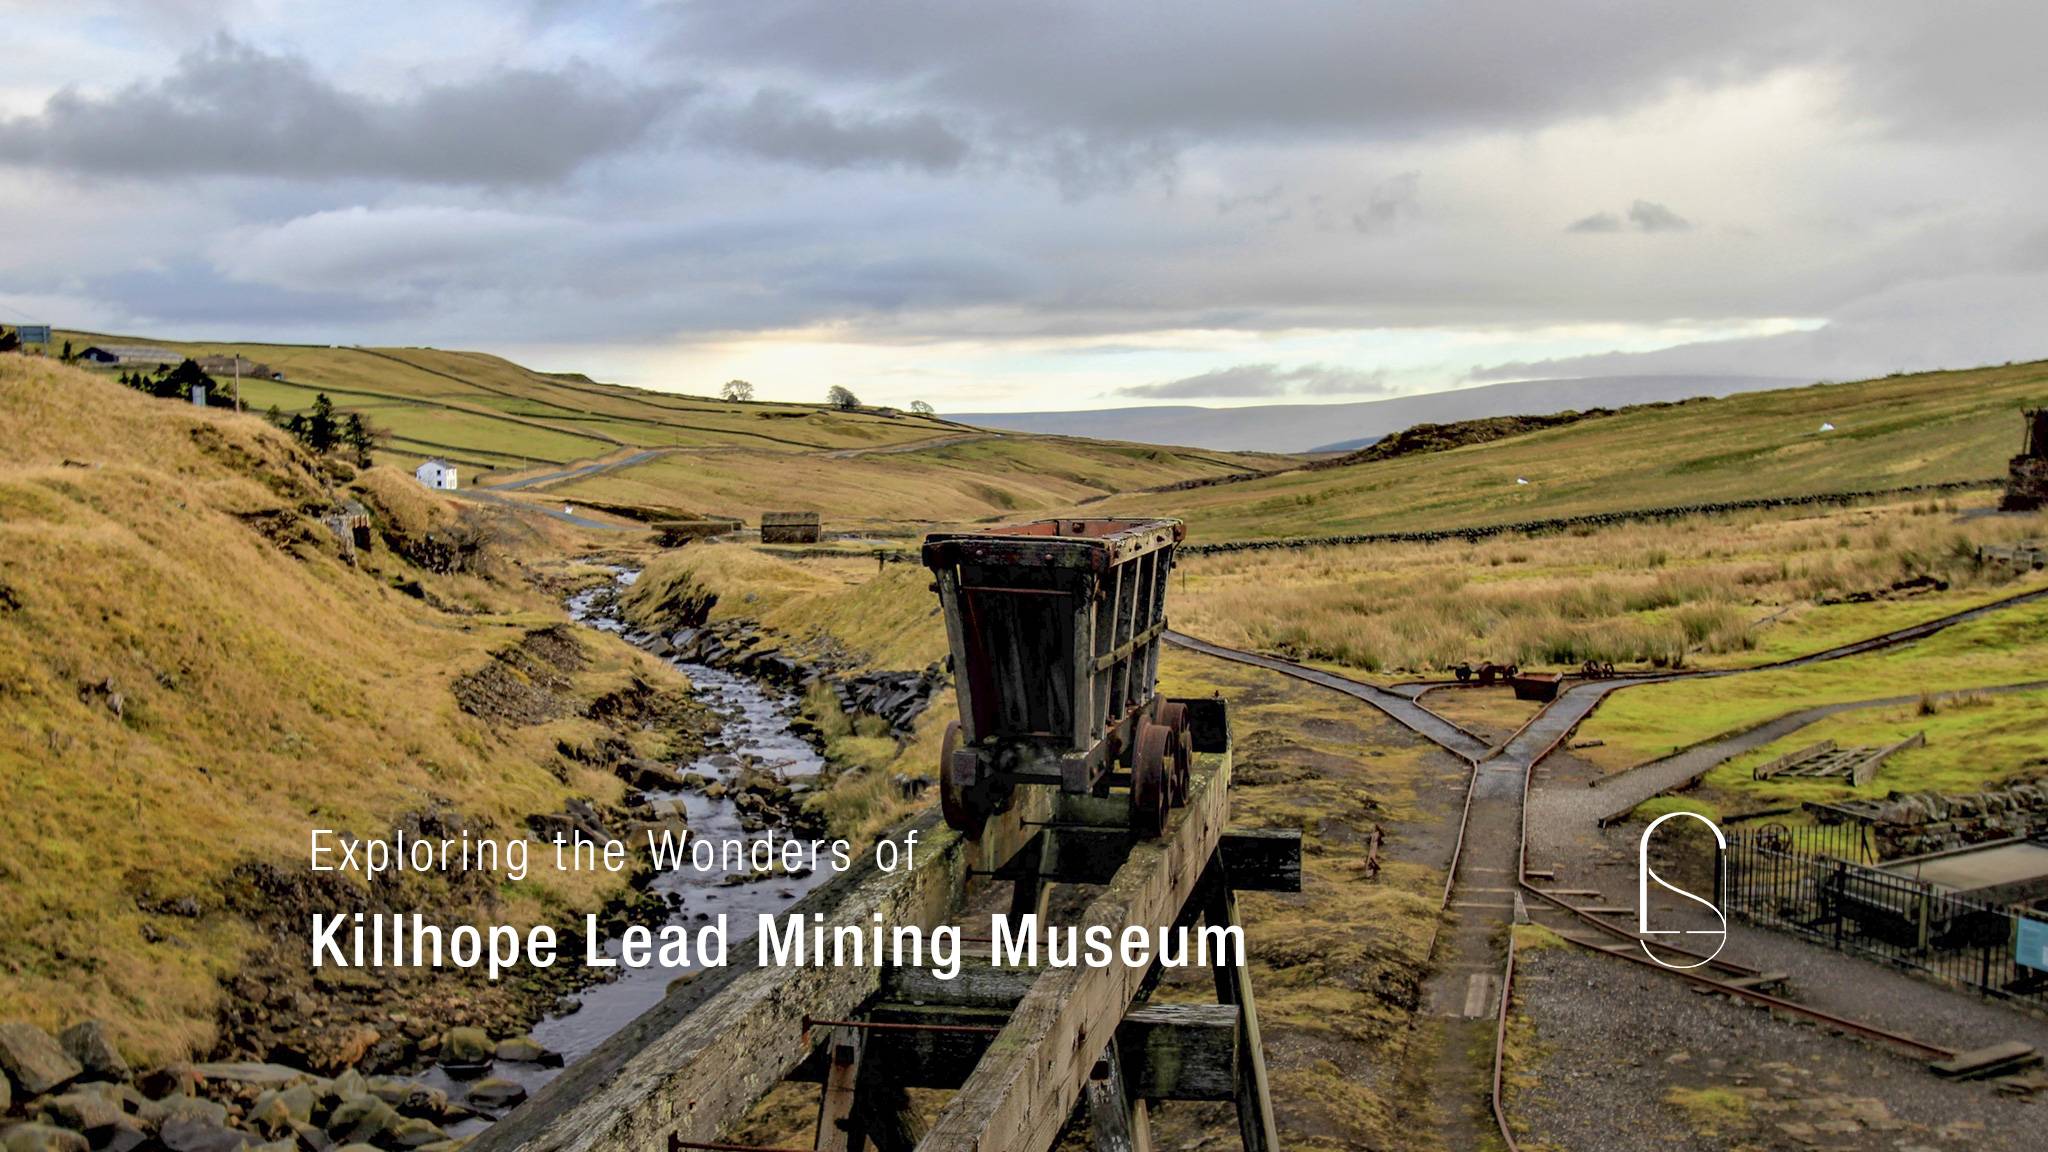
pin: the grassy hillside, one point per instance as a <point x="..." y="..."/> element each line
<point x="1906" y="430"/>
<point x="193" y="675"/>
<point x="954" y="479"/>
<point x="505" y="423"/>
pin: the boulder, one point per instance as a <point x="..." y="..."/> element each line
<point x="42" y="1138"/>
<point x="295" y="1102"/>
<point x="252" y="1073"/>
<point x="82" y="1111"/>
<point x="527" y="1050"/>
<point x="170" y="1080"/>
<point x="312" y="1137"/>
<point x="90" y="1043"/>
<point x="414" y="1132"/>
<point x="466" y="1046"/>
<point x="496" y="1093"/>
<point x="349" y="1085"/>
<point x="362" y="1120"/>
<point x="158" y="1113"/>
<point x="36" y="1063"/>
<point x="126" y="1136"/>
<point x="190" y="1134"/>
<point x="409" y="1096"/>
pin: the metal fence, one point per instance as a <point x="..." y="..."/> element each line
<point x="1819" y="883"/>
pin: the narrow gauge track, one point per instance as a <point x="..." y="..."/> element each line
<point x="1517" y="756"/>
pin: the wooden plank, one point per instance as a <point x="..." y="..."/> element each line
<point x="1170" y="1051"/>
<point x="1233" y="986"/>
<point x="1772" y="768"/>
<point x="1994" y="1059"/>
<point x="835" y="1106"/>
<point x="1116" y="1121"/>
<point x="1025" y="1088"/>
<point x="1259" y="859"/>
<point x="1866" y="771"/>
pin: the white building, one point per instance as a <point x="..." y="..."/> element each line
<point x="436" y="473"/>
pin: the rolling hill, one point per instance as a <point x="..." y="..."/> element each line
<point x="1895" y="432"/>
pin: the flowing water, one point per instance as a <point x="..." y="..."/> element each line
<point x="754" y="731"/>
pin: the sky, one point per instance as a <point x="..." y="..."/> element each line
<point x="1005" y="206"/>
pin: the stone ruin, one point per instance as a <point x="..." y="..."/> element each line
<point x="1911" y="824"/>
<point x="2026" y="485"/>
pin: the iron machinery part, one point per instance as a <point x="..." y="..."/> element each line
<point x="961" y="798"/>
<point x="1180" y="753"/>
<point x="1150" y="801"/>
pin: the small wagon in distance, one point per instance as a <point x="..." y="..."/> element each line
<point x="1055" y="628"/>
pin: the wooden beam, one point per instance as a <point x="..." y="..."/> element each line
<point x="697" y="1062"/>
<point x="1170" y="1051"/>
<point x="1022" y="1092"/>
<point x="1234" y="986"/>
<point x="1259" y="859"/>
<point x="1117" y="1122"/>
<point x="835" y="1107"/>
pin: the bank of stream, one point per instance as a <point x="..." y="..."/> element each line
<point x="755" y="736"/>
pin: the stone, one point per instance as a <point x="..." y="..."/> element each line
<point x="466" y="1046"/>
<point x="158" y="1113"/>
<point x="252" y="1073"/>
<point x="42" y="1138"/>
<point x="169" y="1080"/>
<point x="527" y="1050"/>
<point x="91" y="1044"/>
<point x="189" y="1134"/>
<point x="312" y="1137"/>
<point x="361" y="1120"/>
<point x="495" y="1093"/>
<point x="296" y="1102"/>
<point x="83" y="1111"/>
<point x="123" y="1137"/>
<point x="409" y="1096"/>
<point x="414" y="1132"/>
<point x="349" y="1085"/>
<point x="33" y="1061"/>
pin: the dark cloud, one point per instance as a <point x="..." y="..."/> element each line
<point x="1266" y="380"/>
<point x="230" y="109"/>
<point x="1597" y="222"/>
<point x="785" y="126"/>
<point x="1648" y="216"/>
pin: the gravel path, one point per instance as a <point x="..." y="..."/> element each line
<point x="1620" y="1061"/>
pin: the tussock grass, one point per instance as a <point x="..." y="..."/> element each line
<point x="267" y="688"/>
<point x="1736" y="588"/>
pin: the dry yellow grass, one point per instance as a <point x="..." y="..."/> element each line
<point x="267" y="688"/>
<point x="1735" y="588"/>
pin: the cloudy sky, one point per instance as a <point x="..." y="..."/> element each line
<point x="1052" y="205"/>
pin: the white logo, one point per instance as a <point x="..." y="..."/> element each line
<point x="1644" y="874"/>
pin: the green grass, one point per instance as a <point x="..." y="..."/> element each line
<point x="1642" y="723"/>
<point x="1974" y="742"/>
<point x="1928" y="428"/>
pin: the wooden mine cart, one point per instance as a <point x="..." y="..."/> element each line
<point x="1055" y="628"/>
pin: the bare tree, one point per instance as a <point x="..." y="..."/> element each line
<point x="842" y="398"/>
<point x="922" y="408"/>
<point x="736" y="390"/>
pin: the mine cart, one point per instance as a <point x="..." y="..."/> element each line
<point x="1537" y="685"/>
<point x="1055" y="627"/>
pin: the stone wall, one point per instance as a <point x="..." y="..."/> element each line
<point x="1921" y="822"/>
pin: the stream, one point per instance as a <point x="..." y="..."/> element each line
<point x="754" y="730"/>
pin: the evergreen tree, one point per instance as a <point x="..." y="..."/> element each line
<point x="322" y="430"/>
<point x="356" y="435"/>
<point x="180" y="381"/>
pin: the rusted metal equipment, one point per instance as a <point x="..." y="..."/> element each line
<point x="789" y="528"/>
<point x="1597" y="670"/>
<point x="1537" y="685"/>
<point x="1055" y="628"/>
<point x="1486" y="673"/>
<point x="2026" y="486"/>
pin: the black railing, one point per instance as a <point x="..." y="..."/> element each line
<point x="1820" y="883"/>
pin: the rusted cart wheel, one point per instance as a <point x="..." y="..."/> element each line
<point x="1180" y="752"/>
<point x="1150" y="784"/>
<point x="957" y="794"/>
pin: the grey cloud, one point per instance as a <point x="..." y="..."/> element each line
<point x="1391" y="201"/>
<point x="1254" y="380"/>
<point x="785" y="126"/>
<point x="228" y="108"/>
<point x="1649" y="216"/>
<point x="1597" y="222"/>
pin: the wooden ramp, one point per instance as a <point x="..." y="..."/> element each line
<point x="1031" y="1053"/>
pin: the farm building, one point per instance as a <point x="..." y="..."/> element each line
<point x="131" y="355"/>
<point x="436" y="473"/>
<point x="234" y="366"/>
<point x="789" y="527"/>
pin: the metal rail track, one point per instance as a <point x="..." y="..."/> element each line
<point x="1434" y="729"/>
